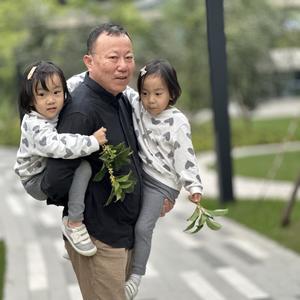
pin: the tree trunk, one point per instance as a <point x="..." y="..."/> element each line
<point x="285" y="221"/>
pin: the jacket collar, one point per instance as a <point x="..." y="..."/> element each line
<point x="98" y="89"/>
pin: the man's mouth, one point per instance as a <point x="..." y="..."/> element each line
<point x="122" y="78"/>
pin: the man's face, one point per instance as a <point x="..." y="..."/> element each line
<point x="111" y="63"/>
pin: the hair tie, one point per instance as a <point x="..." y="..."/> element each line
<point x="29" y="76"/>
<point x="143" y="71"/>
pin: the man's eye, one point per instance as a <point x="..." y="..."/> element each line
<point x="129" y="58"/>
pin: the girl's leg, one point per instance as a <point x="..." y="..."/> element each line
<point x="154" y="193"/>
<point x="77" y="191"/>
<point x="33" y="187"/>
<point x="150" y="212"/>
<point x="73" y="228"/>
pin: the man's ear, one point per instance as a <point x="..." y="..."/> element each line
<point x="88" y="61"/>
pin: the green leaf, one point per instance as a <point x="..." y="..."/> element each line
<point x="220" y="212"/>
<point x="198" y="227"/>
<point x="99" y="176"/>
<point x="122" y="156"/>
<point x="213" y="224"/>
<point x="207" y="213"/>
<point x="203" y="220"/>
<point x="113" y="158"/>
<point x="110" y="198"/>
<point x="130" y="189"/>
<point x="191" y="225"/>
<point x="194" y="215"/>
<point x="125" y="185"/>
<point x="124" y="178"/>
<point x="202" y="216"/>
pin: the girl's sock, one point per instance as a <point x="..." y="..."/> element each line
<point x="132" y="286"/>
<point x="136" y="278"/>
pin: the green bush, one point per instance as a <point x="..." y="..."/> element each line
<point x="9" y="126"/>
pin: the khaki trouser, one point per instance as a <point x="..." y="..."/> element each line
<point x="102" y="276"/>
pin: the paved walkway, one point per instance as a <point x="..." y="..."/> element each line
<point x="233" y="264"/>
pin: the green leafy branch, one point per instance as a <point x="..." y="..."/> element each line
<point x="202" y="216"/>
<point x="113" y="158"/>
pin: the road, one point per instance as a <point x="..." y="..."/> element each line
<point x="231" y="264"/>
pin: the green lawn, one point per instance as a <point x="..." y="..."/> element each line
<point x="245" y="133"/>
<point x="264" y="217"/>
<point x="261" y="166"/>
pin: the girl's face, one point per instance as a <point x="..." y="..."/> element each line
<point x="155" y="94"/>
<point x="49" y="102"/>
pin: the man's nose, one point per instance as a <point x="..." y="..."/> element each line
<point x="123" y="64"/>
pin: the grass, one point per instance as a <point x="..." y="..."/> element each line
<point x="2" y="267"/>
<point x="261" y="216"/>
<point x="264" y="217"/>
<point x="246" y="133"/>
<point x="261" y="166"/>
<point x="262" y="131"/>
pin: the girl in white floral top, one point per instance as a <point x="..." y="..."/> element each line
<point x="42" y="97"/>
<point x="166" y="149"/>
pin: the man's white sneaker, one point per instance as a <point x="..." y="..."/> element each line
<point x="79" y="238"/>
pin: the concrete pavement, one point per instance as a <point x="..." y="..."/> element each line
<point x="232" y="264"/>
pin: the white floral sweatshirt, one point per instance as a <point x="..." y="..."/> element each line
<point x="40" y="139"/>
<point x="166" y="147"/>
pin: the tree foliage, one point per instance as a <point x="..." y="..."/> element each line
<point x="182" y="28"/>
<point x="35" y="30"/>
<point x="49" y="29"/>
<point x="252" y="28"/>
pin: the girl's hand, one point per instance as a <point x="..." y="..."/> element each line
<point x="100" y="135"/>
<point x="195" y="198"/>
<point x="167" y="206"/>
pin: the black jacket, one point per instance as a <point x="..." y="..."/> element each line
<point x="90" y="108"/>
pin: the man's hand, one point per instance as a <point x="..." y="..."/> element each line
<point x="167" y="206"/>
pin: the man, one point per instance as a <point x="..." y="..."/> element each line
<point x="99" y="102"/>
